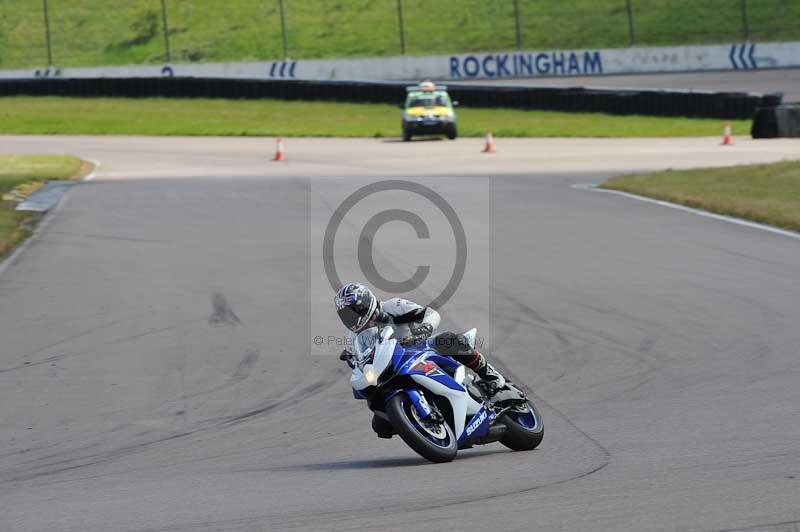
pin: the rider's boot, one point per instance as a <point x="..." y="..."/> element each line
<point x="489" y="379"/>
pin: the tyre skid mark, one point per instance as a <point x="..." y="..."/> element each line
<point x="303" y="519"/>
<point x="293" y="398"/>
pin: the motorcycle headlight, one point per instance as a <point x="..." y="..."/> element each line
<point x="370" y="375"/>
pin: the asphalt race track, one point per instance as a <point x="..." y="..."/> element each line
<point x="156" y="371"/>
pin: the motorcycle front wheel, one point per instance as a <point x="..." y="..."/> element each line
<point x="432" y="440"/>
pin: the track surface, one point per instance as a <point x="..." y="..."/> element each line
<point x="786" y="81"/>
<point x="155" y="375"/>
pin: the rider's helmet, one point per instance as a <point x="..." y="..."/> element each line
<point x="355" y="305"/>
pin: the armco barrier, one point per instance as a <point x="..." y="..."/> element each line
<point x="641" y="102"/>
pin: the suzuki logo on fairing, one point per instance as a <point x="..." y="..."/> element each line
<point x="476" y="423"/>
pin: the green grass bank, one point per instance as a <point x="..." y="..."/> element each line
<point x="166" y="116"/>
<point x="117" y="32"/>
<point x="766" y="193"/>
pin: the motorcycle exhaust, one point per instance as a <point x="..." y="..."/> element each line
<point x="494" y="434"/>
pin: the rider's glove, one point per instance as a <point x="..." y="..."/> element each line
<point x="424" y="331"/>
<point x="420" y="334"/>
<point x="347" y="357"/>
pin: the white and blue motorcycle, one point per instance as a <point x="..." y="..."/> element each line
<point x="431" y="402"/>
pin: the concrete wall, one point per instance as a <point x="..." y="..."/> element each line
<point x="525" y="64"/>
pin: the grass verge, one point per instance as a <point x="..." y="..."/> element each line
<point x="765" y="193"/>
<point x="117" y="32"/>
<point x="28" y="171"/>
<point x="166" y="116"/>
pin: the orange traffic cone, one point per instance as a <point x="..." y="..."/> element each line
<point x="489" y="147"/>
<point x="280" y="151"/>
<point x="727" y="137"/>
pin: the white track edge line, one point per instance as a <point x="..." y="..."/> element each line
<point x="699" y="212"/>
<point x="93" y="173"/>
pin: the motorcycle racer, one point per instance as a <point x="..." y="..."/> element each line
<point x="358" y="308"/>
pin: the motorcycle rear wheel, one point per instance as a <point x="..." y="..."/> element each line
<point x="435" y="443"/>
<point x="524" y="428"/>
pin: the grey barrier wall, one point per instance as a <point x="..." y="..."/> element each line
<point x="722" y="105"/>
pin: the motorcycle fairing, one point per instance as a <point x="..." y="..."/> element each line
<point x="457" y="398"/>
<point x="460" y="401"/>
<point x="441" y="383"/>
<point x="478" y="425"/>
<point x="385" y="351"/>
<point x="438" y="361"/>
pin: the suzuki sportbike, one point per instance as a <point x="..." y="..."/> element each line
<point x="431" y="402"/>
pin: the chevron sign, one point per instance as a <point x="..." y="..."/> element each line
<point x="743" y="56"/>
<point x="278" y="69"/>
